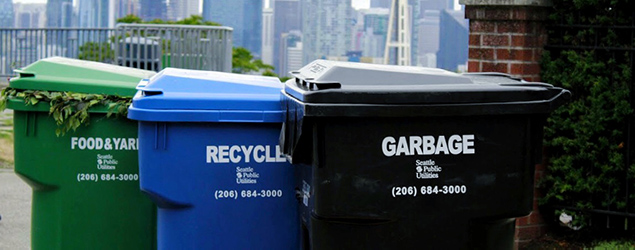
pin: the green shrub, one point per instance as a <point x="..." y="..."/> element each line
<point x="586" y="139"/>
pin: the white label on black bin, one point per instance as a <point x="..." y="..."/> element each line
<point x="427" y="169"/>
<point x="428" y="145"/>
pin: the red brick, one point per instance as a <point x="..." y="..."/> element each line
<point x="495" y="40"/>
<point x="538" y="174"/>
<point x="482" y="26"/>
<point x="535" y="218"/>
<point x="513" y="27"/>
<point x="497" y="14"/>
<point x="503" y="54"/>
<point x="473" y="66"/>
<point x="536" y="203"/>
<point x="538" y="55"/>
<point x="482" y="12"/>
<point x="525" y="69"/>
<point x="527" y="41"/>
<point x="494" y="67"/>
<point x="521" y="244"/>
<point x="532" y="69"/>
<point x="522" y="55"/>
<point x="517" y="69"/>
<point x="481" y="54"/>
<point x="475" y="40"/>
<point x="540" y="167"/>
<point x="528" y="232"/>
<point x="520" y="14"/>
<point x="522" y="221"/>
<point x="529" y="13"/>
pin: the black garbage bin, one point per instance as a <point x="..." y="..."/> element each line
<point x="392" y="157"/>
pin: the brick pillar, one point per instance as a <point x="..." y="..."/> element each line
<point x="508" y="36"/>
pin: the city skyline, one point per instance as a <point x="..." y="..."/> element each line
<point x="357" y="4"/>
<point x="285" y="32"/>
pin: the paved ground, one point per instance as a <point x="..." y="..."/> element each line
<point x="15" y="209"/>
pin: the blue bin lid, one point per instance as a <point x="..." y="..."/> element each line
<point x="179" y="95"/>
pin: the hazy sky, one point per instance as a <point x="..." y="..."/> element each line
<point x="29" y="1"/>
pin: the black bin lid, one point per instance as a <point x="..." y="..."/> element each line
<point x="328" y="84"/>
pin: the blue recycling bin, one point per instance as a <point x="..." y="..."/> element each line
<point x="209" y="158"/>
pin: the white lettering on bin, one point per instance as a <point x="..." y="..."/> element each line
<point x="428" y="145"/>
<point x="98" y="143"/>
<point x="243" y="153"/>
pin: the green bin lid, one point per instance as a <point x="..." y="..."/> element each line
<point x="72" y="75"/>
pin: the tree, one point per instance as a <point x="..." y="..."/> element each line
<point x="98" y="52"/>
<point x="192" y="20"/>
<point x="130" y="19"/>
<point x="243" y="62"/>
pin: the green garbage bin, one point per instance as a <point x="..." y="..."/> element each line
<point x="85" y="183"/>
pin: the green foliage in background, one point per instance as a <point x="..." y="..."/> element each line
<point x="243" y="62"/>
<point x="97" y="52"/>
<point x="192" y="20"/>
<point x="70" y="110"/>
<point x="586" y="139"/>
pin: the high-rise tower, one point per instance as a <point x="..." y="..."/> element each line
<point x="96" y="13"/>
<point x="58" y="13"/>
<point x="286" y="17"/>
<point x="326" y="28"/>
<point x="6" y="13"/>
<point x="398" y="38"/>
<point x="244" y="16"/>
<point x="153" y="9"/>
<point x="181" y="9"/>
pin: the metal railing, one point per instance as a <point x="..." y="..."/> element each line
<point x="181" y="46"/>
<point x="146" y="46"/>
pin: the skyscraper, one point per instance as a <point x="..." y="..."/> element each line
<point x="59" y="13"/>
<point x="436" y="5"/>
<point x="267" y="36"/>
<point x="429" y="25"/>
<point x="6" y="13"/>
<point x="181" y="9"/>
<point x="126" y="7"/>
<point x="326" y="28"/>
<point x="286" y="18"/>
<point x="245" y="16"/>
<point x="29" y="15"/>
<point x="381" y="3"/>
<point x="96" y="13"/>
<point x="453" y="45"/>
<point x="153" y="9"/>
<point x="375" y="30"/>
<point x="290" y="52"/>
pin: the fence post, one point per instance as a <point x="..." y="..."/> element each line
<point x="508" y="36"/>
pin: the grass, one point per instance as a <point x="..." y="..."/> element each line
<point x="563" y="238"/>
<point x="6" y="140"/>
<point x="616" y="244"/>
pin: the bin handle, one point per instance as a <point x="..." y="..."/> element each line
<point x="560" y="98"/>
<point x="150" y="91"/>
